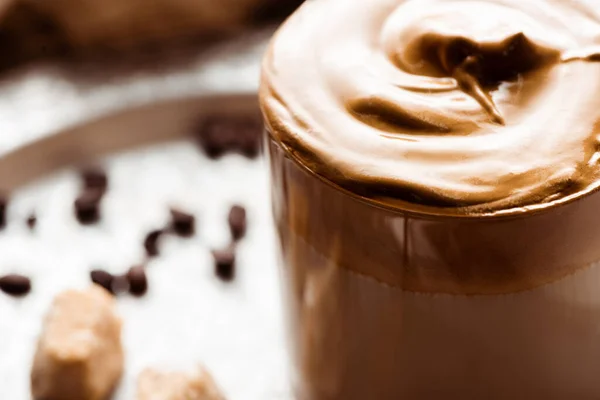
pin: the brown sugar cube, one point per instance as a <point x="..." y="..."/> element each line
<point x="79" y="354"/>
<point x="155" y="385"/>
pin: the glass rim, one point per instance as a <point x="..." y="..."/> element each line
<point x="413" y="210"/>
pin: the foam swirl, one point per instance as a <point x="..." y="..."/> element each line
<point x="469" y="105"/>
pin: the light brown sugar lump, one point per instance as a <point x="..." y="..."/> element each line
<point x="79" y="354"/>
<point x="156" y="385"/>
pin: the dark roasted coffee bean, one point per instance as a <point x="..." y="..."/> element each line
<point x="225" y="263"/>
<point x="31" y="221"/>
<point x="217" y="136"/>
<point x="151" y="242"/>
<point x="103" y="278"/>
<point x="221" y="134"/>
<point x="182" y="223"/>
<point x="138" y="282"/>
<point x="237" y="222"/>
<point x="87" y="206"/>
<point x="15" y="285"/>
<point x="94" y="178"/>
<point x="3" y="207"/>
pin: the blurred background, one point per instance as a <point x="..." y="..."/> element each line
<point x="62" y="61"/>
<point x="70" y="30"/>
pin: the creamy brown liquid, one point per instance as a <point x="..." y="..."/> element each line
<point x="472" y="106"/>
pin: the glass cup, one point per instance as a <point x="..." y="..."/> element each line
<point x="386" y="303"/>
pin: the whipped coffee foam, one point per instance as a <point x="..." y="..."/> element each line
<point x="470" y="106"/>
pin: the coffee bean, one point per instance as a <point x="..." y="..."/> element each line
<point x="216" y="136"/>
<point x="31" y="221"/>
<point x="103" y="278"/>
<point x="87" y="206"/>
<point x="138" y="282"/>
<point x="225" y="263"/>
<point x="3" y="207"/>
<point x="221" y="134"/>
<point x="94" y="178"/>
<point x="249" y="142"/>
<point x="182" y="223"/>
<point x="151" y="242"/>
<point x="15" y="285"/>
<point x="237" y="222"/>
